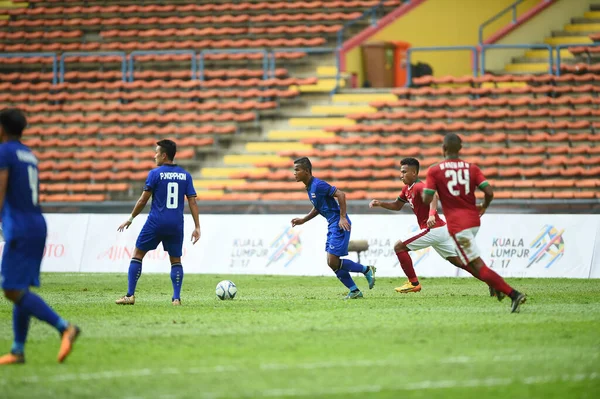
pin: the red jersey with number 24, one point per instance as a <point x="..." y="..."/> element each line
<point x="413" y="194"/>
<point x="455" y="181"/>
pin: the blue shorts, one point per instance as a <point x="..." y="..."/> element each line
<point x="151" y="236"/>
<point x="21" y="261"/>
<point x="337" y="241"/>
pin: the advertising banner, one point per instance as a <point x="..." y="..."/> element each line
<point x="64" y="243"/>
<point x="513" y="245"/>
<point x="538" y="245"/>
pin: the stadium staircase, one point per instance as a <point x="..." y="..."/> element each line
<point x="579" y="31"/>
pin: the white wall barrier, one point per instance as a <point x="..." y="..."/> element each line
<point x="513" y="245"/>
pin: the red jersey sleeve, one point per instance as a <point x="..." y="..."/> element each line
<point x="402" y="196"/>
<point x="430" y="182"/>
<point x="478" y="177"/>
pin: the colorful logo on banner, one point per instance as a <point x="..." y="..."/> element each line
<point x="548" y="247"/>
<point x="286" y="245"/>
<point x="420" y="255"/>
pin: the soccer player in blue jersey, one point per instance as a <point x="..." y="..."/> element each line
<point x="323" y="197"/>
<point x="168" y="185"/>
<point x="24" y="230"/>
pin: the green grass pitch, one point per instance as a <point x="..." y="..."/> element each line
<point x="295" y="337"/>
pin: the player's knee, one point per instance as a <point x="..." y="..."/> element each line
<point x="400" y="247"/>
<point x="455" y="260"/>
<point x="334" y="263"/>
<point x="13" y="295"/>
<point x="139" y="254"/>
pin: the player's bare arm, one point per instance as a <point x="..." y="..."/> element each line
<point x="3" y="185"/>
<point x="428" y="197"/>
<point x="488" y="192"/>
<point x="194" y="211"/>
<point x="311" y="215"/>
<point x="341" y="199"/>
<point x="432" y="211"/>
<point x="392" y="206"/>
<point x="137" y="209"/>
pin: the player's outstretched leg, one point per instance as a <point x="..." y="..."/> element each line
<point x="177" y="281"/>
<point x="469" y="254"/>
<point x="412" y="285"/>
<point x="135" y="271"/>
<point x="28" y="304"/>
<point x="334" y="263"/>
<point x="494" y="280"/>
<point x="455" y="260"/>
<point x="368" y="271"/>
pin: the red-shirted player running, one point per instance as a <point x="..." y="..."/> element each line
<point x="455" y="181"/>
<point x="433" y="231"/>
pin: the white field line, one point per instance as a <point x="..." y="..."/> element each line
<point x="370" y="389"/>
<point x="147" y="372"/>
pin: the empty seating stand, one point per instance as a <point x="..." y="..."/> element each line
<point x="535" y="137"/>
<point x="94" y="131"/>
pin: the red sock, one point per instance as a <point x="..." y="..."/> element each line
<point x="494" y="280"/>
<point x="468" y="269"/>
<point x="407" y="266"/>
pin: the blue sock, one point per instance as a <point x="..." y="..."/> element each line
<point x="20" y="329"/>
<point x="345" y="278"/>
<point x="35" y="306"/>
<point x="135" y="271"/>
<point x="176" y="279"/>
<point x="352" y="266"/>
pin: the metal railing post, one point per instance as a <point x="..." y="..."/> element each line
<point x="93" y="54"/>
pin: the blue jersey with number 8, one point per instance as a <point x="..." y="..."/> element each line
<point x="170" y="185"/>
<point x="21" y="213"/>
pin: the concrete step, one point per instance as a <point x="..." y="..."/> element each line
<point x="276" y="146"/>
<point x="320" y="122"/>
<point x="322" y="86"/>
<point x="564" y="53"/>
<point x="297" y="134"/>
<point x="226" y="172"/>
<point x="555" y="41"/>
<point x="208" y="183"/>
<point x="204" y="194"/>
<point x="341" y="110"/>
<point x="537" y="67"/>
<point x="249" y="159"/>
<point x="563" y="33"/>
<point x="583" y="28"/>
<point x="11" y="5"/>
<point x="363" y="98"/>
<point x="585" y="20"/>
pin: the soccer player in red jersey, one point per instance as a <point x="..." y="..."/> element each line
<point x="455" y="181"/>
<point x="433" y="231"/>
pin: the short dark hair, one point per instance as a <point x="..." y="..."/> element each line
<point x="168" y="147"/>
<point x="453" y="142"/>
<point x="13" y="121"/>
<point x="304" y="163"/>
<point x="410" y="162"/>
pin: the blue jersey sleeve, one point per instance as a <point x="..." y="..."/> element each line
<point x="4" y="157"/>
<point x="189" y="190"/>
<point x="150" y="184"/>
<point x="324" y="188"/>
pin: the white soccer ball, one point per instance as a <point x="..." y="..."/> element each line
<point x="226" y="290"/>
